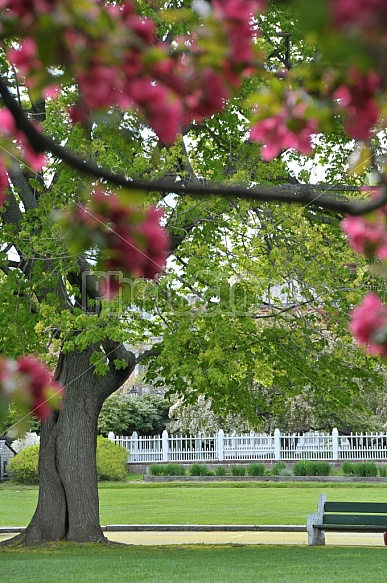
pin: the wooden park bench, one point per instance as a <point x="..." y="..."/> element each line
<point x="346" y="517"/>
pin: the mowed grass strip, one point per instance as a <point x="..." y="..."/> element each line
<point x="247" y="503"/>
<point x="67" y="563"/>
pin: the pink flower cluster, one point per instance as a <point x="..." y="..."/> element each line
<point x="27" y="9"/>
<point x="34" y="160"/>
<point x="288" y="129"/>
<point x="367" y="234"/>
<point x="131" y="239"/>
<point x="237" y="15"/>
<point x="28" y="382"/>
<point x="358" y="98"/>
<point x="365" y="15"/>
<point x="128" y="66"/>
<point x="369" y="324"/>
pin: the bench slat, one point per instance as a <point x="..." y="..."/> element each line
<point x="354" y="519"/>
<point x="351" y="528"/>
<point x="367" y="507"/>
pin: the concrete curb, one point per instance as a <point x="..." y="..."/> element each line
<point x="184" y="528"/>
<point x="336" y="479"/>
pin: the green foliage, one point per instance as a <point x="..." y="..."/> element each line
<point x="156" y="470"/>
<point x="199" y="470"/>
<point x="238" y="470"/>
<point x="148" y="415"/>
<point x="256" y="469"/>
<point x="111" y="460"/>
<point x="382" y="471"/>
<point x="360" y="469"/>
<point x="278" y="468"/>
<point x="311" y="468"/>
<point x="220" y="471"/>
<point x="24" y="466"/>
<point x="167" y="470"/>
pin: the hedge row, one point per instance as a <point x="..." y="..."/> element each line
<point x="301" y="468"/>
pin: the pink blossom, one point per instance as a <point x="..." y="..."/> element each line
<point x="98" y="86"/>
<point x="28" y="381"/>
<point x="131" y="239"/>
<point x="369" y="324"/>
<point x="238" y="10"/>
<point x="166" y="121"/>
<point x="363" y="14"/>
<point x="25" y="57"/>
<point x="367" y="234"/>
<point x="358" y="99"/>
<point x="275" y="135"/>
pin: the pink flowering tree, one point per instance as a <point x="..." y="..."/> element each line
<point x="97" y="98"/>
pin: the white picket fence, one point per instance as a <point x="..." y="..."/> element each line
<point x="254" y="446"/>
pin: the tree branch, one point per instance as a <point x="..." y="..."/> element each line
<point x="301" y="194"/>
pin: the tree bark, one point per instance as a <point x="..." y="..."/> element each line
<point x="68" y="505"/>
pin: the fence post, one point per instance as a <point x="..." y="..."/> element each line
<point x="277" y="444"/>
<point x="165" y="445"/>
<point x="220" y="445"/>
<point x="134" y="447"/>
<point x="335" y="443"/>
<point x="111" y="436"/>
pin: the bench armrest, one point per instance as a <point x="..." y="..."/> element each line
<point x="315" y="535"/>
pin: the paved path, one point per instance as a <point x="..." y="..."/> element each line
<point x="243" y="538"/>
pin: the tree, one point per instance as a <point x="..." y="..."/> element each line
<point x="148" y="415"/>
<point x="206" y="329"/>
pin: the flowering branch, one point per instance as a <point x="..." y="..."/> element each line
<point x="299" y="194"/>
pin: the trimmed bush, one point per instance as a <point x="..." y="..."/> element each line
<point x="238" y="470"/>
<point x="156" y="470"/>
<point x="256" y="469"/>
<point x="167" y="470"/>
<point x="111" y="460"/>
<point x="311" y="468"/>
<point x="278" y="468"/>
<point x="199" y="470"/>
<point x="220" y="471"/>
<point x="24" y="466"/>
<point x="348" y="468"/>
<point x="360" y="469"/>
<point x="382" y="471"/>
<point x="174" y="470"/>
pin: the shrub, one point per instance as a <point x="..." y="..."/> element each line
<point x="174" y="470"/>
<point x="360" y="469"/>
<point x="366" y="469"/>
<point x="24" y="466"/>
<point x="157" y="470"/>
<point x="382" y="471"/>
<point x="167" y="470"/>
<point x="348" y="468"/>
<point x="199" y="470"/>
<point x="278" y="468"/>
<point x="311" y="468"/>
<point x="238" y="470"/>
<point x="256" y="469"/>
<point x="111" y="460"/>
<point x="220" y="471"/>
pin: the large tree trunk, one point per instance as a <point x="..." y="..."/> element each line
<point x="68" y="507"/>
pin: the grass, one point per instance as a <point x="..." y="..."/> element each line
<point x="67" y="563"/>
<point x="198" y="503"/>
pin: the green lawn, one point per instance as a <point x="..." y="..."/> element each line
<point x="211" y="503"/>
<point x="68" y="563"/>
